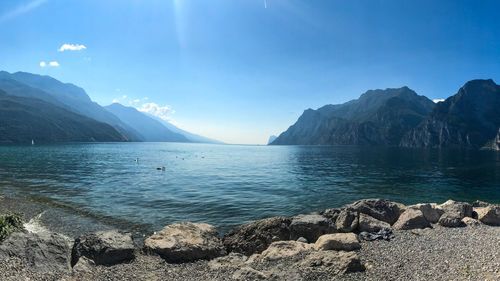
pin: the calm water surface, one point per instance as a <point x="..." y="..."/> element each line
<point x="227" y="185"/>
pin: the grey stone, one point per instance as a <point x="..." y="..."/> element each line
<point x="489" y="215"/>
<point x="380" y="209"/>
<point x="255" y="237"/>
<point x="457" y="209"/>
<point x="370" y="224"/>
<point x="310" y="227"/>
<point x="338" y="242"/>
<point x="280" y="250"/>
<point x="43" y="252"/>
<point x="430" y="211"/>
<point x="347" y="220"/>
<point x="332" y="214"/>
<point x="338" y="262"/>
<point x="186" y="242"/>
<point x="451" y="220"/>
<point x="411" y="219"/>
<point x="84" y="265"/>
<point x="104" y="247"/>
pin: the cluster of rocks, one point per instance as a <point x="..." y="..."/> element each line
<point x="328" y="240"/>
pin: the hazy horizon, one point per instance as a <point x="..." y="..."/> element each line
<point x="240" y="71"/>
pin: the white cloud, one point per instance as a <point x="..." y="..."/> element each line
<point x="21" y="9"/>
<point x="72" y="47"/>
<point x="163" y="112"/>
<point x="49" y="64"/>
<point x="437" y="100"/>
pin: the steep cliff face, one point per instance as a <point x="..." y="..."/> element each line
<point x="378" y="117"/>
<point x="470" y="118"/>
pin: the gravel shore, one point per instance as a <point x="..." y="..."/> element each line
<point x="465" y="253"/>
<point x="468" y="253"/>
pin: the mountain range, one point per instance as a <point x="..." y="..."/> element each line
<point x="400" y="117"/>
<point x="37" y="100"/>
<point x="41" y="108"/>
<point x="149" y="128"/>
<point x="25" y="119"/>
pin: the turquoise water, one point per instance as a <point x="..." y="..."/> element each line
<point x="227" y="185"/>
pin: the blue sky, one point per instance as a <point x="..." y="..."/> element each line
<point x="241" y="70"/>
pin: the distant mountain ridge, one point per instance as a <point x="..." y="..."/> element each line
<point x="64" y="95"/>
<point x="378" y="117"/>
<point x="400" y="117"/>
<point x="190" y="136"/>
<point x="123" y="123"/>
<point x="23" y="119"/>
<point x="148" y="128"/>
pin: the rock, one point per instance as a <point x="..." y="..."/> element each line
<point x="370" y="224"/>
<point x="489" y="215"/>
<point x="255" y="237"/>
<point x="451" y="220"/>
<point x="43" y="252"/>
<point x="411" y="219"/>
<point x="84" y="265"/>
<point x="379" y="209"/>
<point x="186" y="242"/>
<point x="248" y="273"/>
<point x="233" y="260"/>
<point x="310" y="227"/>
<point x="347" y="220"/>
<point x="430" y="210"/>
<point x="339" y="262"/>
<point x="479" y="203"/>
<point x="338" y="242"/>
<point x="302" y="239"/>
<point x="283" y="249"/>
<point x="457" y="209"/>
<point x="332" y="214"/>
<point x="104" y="247"/>
<point x="471" y="222"/>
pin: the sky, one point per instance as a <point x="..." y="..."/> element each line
<point x="242" y="70"/>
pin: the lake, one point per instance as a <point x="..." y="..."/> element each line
<point x="119" y="184"/>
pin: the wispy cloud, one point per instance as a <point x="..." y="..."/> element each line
<point x="21" y="9"/>
<point x="72" y="47"/>
<point x="437" y="100"/>
<point x="164" y="112"/>
<point x="49" y="64"/>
